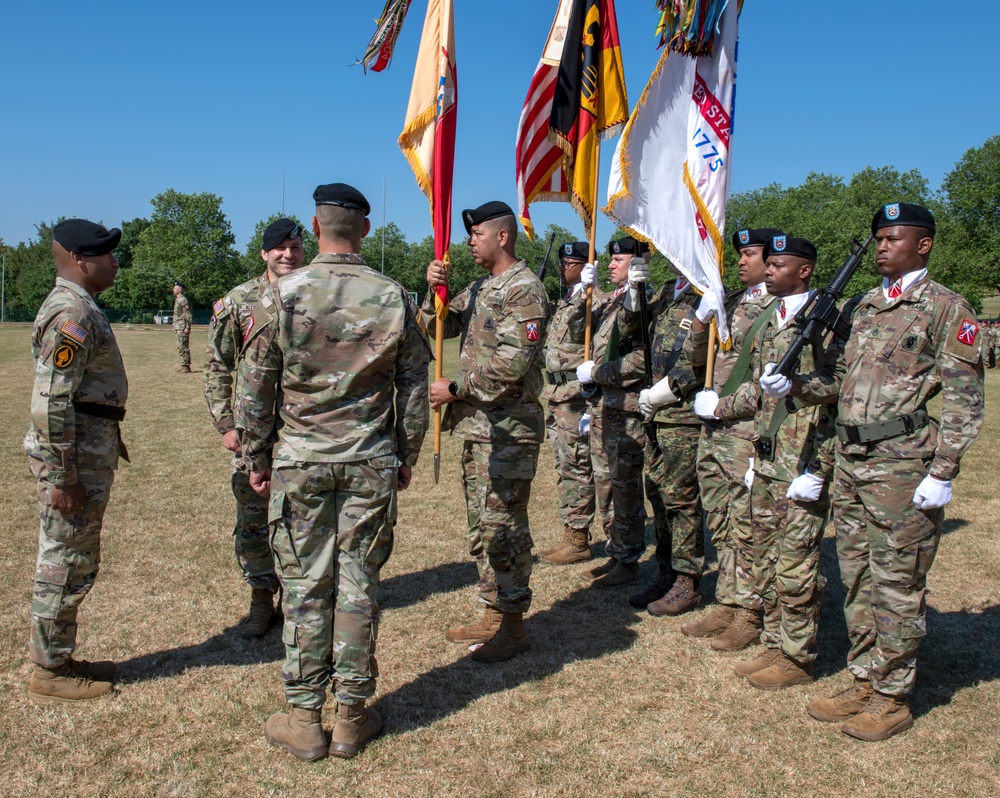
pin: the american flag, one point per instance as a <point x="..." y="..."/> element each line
<point x="74" y="331"/>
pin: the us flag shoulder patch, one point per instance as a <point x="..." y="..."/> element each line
<point x="967" y="332"/>
<point x="531" y="330"/>
<point x="75" y="331"/>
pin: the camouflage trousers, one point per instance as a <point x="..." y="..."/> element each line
<point x="331" y="532"/>
<point x="497" y="481"/>
<point x="69" y="556"/>
<point x="574" y="471"/>
<point x="723" y="460"/>
<point x="622" y="440"/>
<point x="786" y="542"/>
<point x="602" y="470"/>
<point x="672" y="473"/>
<point x="250" y="535"/>
<point x="183" y="348"/>
<point x="886" y="546"/>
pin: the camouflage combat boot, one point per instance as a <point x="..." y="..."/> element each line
<point x="598" y="570"/>
<point x="102" y="671"/>
<point x="63" y="685"/>
<point x="711" y="623"/>
<point x="884" y="716"/>
<point x="657" y="589"/>
<point x="261" y="613"/>
<point x="742" y="632"/>
<point x="508" y="642"/>
<point x="575" y="547"/>
<point x="782" y="672"/>
<point x="683" y="596"/>
<point x="619" y="574"/>
<point x="354" y="728"/>
<point x="479" y="632"/>
<point x="763" y="660"/>
<point x="299" y="732"/>
<point x="845" y="704"/>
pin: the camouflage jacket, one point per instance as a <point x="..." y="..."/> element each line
<point x="671" y="322"/>
<point x="741" y="318"/>
<point x="607" y="335"/>
<point x="804" y="441"/>
<point x="236" y="319"/>
<point x="76" y="360"/>
<point x="350" y="362"/>
<point x="502" y="323"/>
<point x="564" y="339"/>
<point x="903" y="353"/>
<point x="182" y="313"/>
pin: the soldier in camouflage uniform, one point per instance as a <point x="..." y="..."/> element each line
<point x="725" y="448"/>
<point x="240" y="316"/>
<point x="566" y="407"/>
<point x="791" y="470"/>
<point x="350" y="362"/>
<point x="73" y="446"/>
<point x="991" y="338"/>
<point x="182" y="327"/>
<point x="911" y="340"/>
<point x="494" y="407"/>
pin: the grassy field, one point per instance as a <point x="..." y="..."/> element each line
<point x="609" y="702"/>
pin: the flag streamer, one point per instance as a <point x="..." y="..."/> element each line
<point x="690" y="27"/>
<point x="378" y="53"/>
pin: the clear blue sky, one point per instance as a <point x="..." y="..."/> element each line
<point x="105" y="104"/>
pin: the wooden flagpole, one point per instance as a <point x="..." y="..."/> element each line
<point x="593" y="248"/>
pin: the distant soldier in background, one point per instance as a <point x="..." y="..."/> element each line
<point x="73" y="446"/>
<point x="991" y="339"/>
<point x="182" y="327"/>
<point x="240" y="316"/>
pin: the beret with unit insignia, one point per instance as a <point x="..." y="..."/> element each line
<point x="903" y="214"/>
<point x="86" y="238"/>
<point x="627" y="246"/>
<point x="753" y="237"/>
<point x="278" y="231"/>
<point x="490" y="210"/>
<point x="343" y="195"/>
<point x="578" y="250"/>
<point x="787" y="245"/>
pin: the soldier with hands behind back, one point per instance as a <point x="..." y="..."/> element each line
<point x="182" y="327"/>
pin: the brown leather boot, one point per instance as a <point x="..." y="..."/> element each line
<point x="620" y="574"/>
<point x="102" y="671"/>
<point x="184" y="369"/>
<point x="261" y="612"/>
<point x="63" y="685"/>
<point x="508" y="642"/>
<point x="479" y="632"/>
<point x="574" y="548"/>
<point x="599" y="570"/>
<point x="711" y="623"/>
<point x="657" y="589"/>
<point x="742" y="632"/>
<point x="298" y="732"/>
<point x="683" y="596"/>
<point x="763" y="660"/>
<point x="782" y="672"/>
<point x="883" y="716"/>
<point x="845" y="704"/>
<point x="354" y="728"/>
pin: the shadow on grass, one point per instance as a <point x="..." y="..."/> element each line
<point x="412" y="588"/>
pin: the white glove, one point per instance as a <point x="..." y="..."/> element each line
<point x="776" y="386"/>
<point x="652" y="399"/>
<point x="589" y="275"/>
<point x="705" y="403"/>
<point x="583" y="372"/>
<point x="748" y="476"/>
<point x="805" y="488"/>
<point x="584" y="426"/>
<point x="932" y="493"/>
<point x="708" y="307"/>
<point x="638" y="276"/>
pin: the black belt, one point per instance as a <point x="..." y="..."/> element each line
<point x="560" y="377"/>
<point x="99" y="410"/>
<point x="883" y="430"/>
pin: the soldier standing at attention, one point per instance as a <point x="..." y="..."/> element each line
<point x="495" y="410"/>
<point x="73" y="445"/>
<point x="725" y="448"/>
<point x="238" y="318"/>
<point x="564" y="341"/>
<point x="350" y="364"/>
<point x="911" y="339"/>
<point x="182" y="327"/>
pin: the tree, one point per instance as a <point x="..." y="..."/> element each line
<point x="396" y="263"/>
<point x="31" y="271"/>
<point x="251" y="263"/>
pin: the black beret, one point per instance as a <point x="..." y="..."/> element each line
<point x="627" y="246"/>
<point x="343" y="195"/>
<point x="178" y="284"/>
<point x="753" y="237"/>
<point x="86" y="238"/>
<point x="786" y="245"/>
<point x="579" y="250"/>
<point x="278" y="231"/>
<point x="903" y="214"/>
<point x="491" y="210"/>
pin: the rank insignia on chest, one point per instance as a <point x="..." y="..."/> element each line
<point x="968" y="331"/>
<point x="531" y="330"/>
<point x="488" y="324"/>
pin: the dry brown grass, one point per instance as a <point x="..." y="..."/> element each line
<point x="607" y="703"/>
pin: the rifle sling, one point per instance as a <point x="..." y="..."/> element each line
<point x="741" y="371"/>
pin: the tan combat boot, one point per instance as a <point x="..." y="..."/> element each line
<point x="656" y="590"/>
<point x="574" y="548"/>
<point x="884" y="716"/>
<point x="261" y="613"/>
<point x="508" y="642"/>
<point x="299" y="732"/>
<point x="844" y="705"/>
<point x="63" y="685"/>
<point x="763" y="660"/>
<point x="742" y="632"/>
<point x="354" y="728"/>
<point x="782" y="672"/>
<point x="102" y="671"/>
<point x="479" y="632"/>
<point x="711" y="623"/>
<point x="683" y="596"/>
<point x="184" y="369"/>
<point x="599" y="570"/>
<point x="619" y="574"/>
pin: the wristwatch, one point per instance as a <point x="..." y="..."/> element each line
<point x="453" y="388"/>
